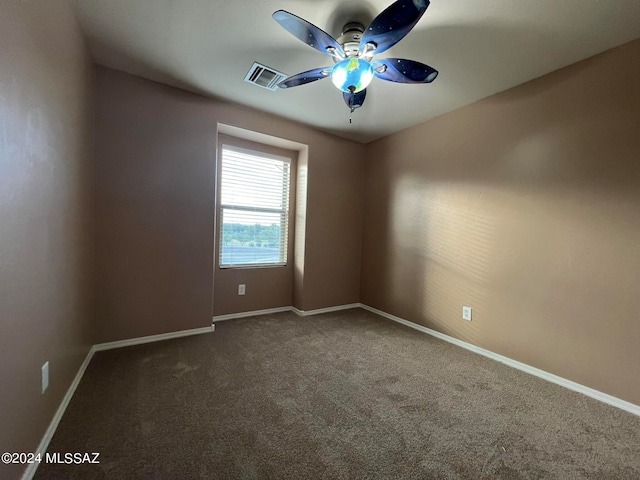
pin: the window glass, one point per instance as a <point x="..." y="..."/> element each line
<point x="254" y="208"/>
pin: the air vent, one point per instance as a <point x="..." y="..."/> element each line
<point x="264" y="77"/>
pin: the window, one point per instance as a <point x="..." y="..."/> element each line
<point x="254" y="208"/>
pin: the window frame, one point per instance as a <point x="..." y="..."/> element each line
<point x="285" y="214"/>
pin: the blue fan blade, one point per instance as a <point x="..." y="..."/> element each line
<point x="403" y="71"/>
<point x="358" y="98"/>
<point x="305" y="77"/>
<point x="393" y="24"/>
<point x="308" y="33"/>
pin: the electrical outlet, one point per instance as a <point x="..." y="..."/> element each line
<point x="466" y="313"/>
<point x="45" y="376"/>
<point x="241" y="289"/>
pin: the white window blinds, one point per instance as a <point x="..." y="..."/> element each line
<point x="254" y="208"/>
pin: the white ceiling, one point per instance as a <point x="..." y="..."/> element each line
<point x="479" y="47"/>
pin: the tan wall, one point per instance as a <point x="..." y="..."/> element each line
<point x="300" y="228"/>
<point x="45" y="203"/>
<point x="335" y="192"/>
<point x="155" y="154"/>
<point x="526" y="207"/>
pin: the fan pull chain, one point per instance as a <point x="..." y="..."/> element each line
<point x="352" y="100"/>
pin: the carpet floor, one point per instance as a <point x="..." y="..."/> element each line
<point x="343" y="395"/>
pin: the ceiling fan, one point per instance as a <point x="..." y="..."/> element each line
<point x="353" y="52"/>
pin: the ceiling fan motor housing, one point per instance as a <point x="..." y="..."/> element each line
<point x="350" y="38"/>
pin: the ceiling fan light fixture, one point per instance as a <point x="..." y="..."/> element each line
<point x="353" y="52"/>
<point x="352" y="75"/>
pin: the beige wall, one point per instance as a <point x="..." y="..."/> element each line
<point x="45" y="203"/>
<point x="526" y="207"/>
<point x="155" y="154"/>
<point x="335" y="192"/>
<point x="155" y="162"/>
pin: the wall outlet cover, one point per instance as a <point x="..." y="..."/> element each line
<point x="241" y="289"/>
<point x="466" y="313"/>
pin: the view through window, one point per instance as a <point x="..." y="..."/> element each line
<point x="254" y="208"/>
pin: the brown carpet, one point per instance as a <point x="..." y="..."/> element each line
<point x="342" y="395"/>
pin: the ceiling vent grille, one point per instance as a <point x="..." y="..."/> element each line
<point x="264" y="76"/>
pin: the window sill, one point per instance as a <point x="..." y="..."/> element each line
<point x="251" y="266"/>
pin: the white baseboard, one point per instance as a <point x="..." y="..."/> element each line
<point x="151" y="338"/>
<point x="550" y="377"/>
<point x="318" y="311"/>
<point x="30" y="471"/>
<point x="302" y="313"/>
<point x="266" y="311"/>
